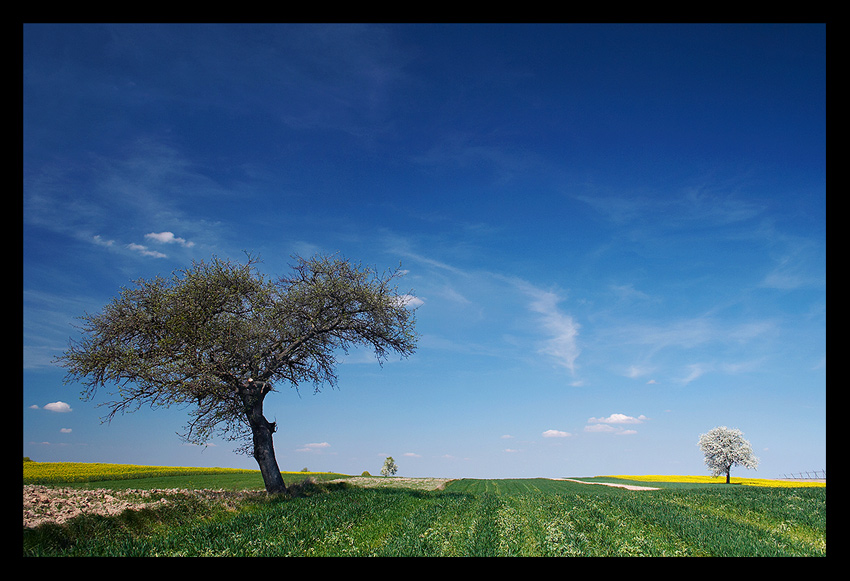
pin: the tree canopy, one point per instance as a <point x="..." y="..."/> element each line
<point x="389" y="468"/>
<point x="219" y="336"/>
<point x="724" y="448"/>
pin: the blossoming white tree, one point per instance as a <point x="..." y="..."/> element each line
<point x="389" y="467"/>
<point x="726" y="447"/>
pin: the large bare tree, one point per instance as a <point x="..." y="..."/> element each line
<point x="219" y="337"/>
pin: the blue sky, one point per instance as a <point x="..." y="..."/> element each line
<point x="616" y="233"/>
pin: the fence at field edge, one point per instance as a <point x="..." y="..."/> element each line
<point x="806" y="475"/>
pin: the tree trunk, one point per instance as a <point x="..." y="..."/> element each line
<point x="264" y="455"/>
<point x="262" y="431"/>
<point x="727" y="475"/>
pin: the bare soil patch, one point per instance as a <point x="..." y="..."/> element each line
<point x="55" y="504"/>
<point x="392" y="481"/>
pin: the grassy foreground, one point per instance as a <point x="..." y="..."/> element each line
<point x="470" y="517"/>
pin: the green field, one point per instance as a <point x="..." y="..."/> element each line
<point x="470" y="517"/>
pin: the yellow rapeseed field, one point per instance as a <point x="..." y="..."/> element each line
<point x="56" y="472"/>
<point x="721" y="479"/>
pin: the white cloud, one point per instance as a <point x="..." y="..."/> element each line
<point x="556" y="434"/>
<point x="65" y="430"/>
<point x="101" y="242"/>
<point x="168" y="238"/>
<point x="609" y="429"/>
<point x="58" y="406"/>
<point x="563" y="344"/>
<point x="412" y="455"/>
<point x="696" y="370"/>
<point x="410" y="301"/>
<point x="635" y="371"/>
<point x="599" y="428"/>
<point x="143" y="250"/>
<point x="315" y="447"/>
<point x="617" y="419"/>
<point x="612" y="424"/>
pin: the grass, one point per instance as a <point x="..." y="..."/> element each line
<point x="471" y="517"/>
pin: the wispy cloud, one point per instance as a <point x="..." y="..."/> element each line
<point x="618" y="419"/>
<point x="599" y="428"/>
<point x="556" y="434"/>
<point x="627" y="293"/>
<point x="691" y="205"/>
<point x="635" y="371"/>
<point x="97" y="239"/>
<point x="145" y="251"/>
<point x="314" y="447"/>
<point x="694" y="371"/>
<point x="554" y="331"/>
<point x="798" y="264"/>
<point x="464" y="149"/>
<point x="94" y="197"/>
<point x="688" y="333"/>
<point x="562" y="344"/>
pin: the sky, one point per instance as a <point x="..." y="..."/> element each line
<point x="615" y="234"/>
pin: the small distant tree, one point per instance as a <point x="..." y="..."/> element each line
<point x="390" y="467"/>
<point x="726" y="447"/>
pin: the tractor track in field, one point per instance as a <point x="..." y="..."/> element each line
<point x="626" y="486"/>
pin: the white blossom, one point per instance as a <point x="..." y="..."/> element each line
<point x="723" y="448"/>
